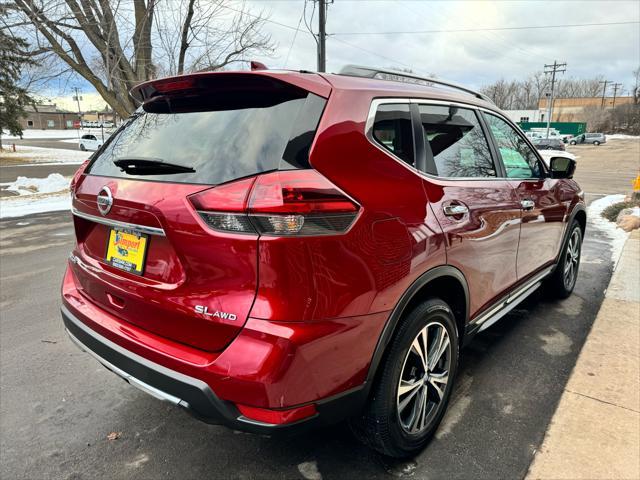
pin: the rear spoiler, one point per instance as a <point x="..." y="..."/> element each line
<point x="221" y="82"/>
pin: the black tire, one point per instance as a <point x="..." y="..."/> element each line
<point x="596" y="143"/>
<point x="558" y="285"/>
<point x="573" y="142"/>
<point x="82" y="147"/>
<point x="381" y="426"/>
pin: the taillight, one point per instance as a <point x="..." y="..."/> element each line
<point x="285" y="203"/>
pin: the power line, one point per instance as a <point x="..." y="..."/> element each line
<point x="294" y="38"/>
<point x="486" y="29"/>
<point x="392" y="60"/>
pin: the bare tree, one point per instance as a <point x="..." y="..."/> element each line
<point x="115" y="44"/>
<point x="526" y="94"/>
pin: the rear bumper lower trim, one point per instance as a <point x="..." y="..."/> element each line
<point x="192" y="394"/>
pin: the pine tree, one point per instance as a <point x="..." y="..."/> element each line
<point x="13" y="98"/>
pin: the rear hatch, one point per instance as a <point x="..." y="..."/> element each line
<point x="143" y="252"/>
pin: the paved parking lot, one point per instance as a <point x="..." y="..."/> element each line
<point x="58" y="406"/>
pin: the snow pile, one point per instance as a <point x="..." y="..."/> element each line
<point x="610" y="229"/>
<point x="36" y="195"/>
<point x="31" y="186"/>
<point x="45" y="155"/>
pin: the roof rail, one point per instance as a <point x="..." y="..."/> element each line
<point x="394" y="75"/>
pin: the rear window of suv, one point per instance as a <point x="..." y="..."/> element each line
<point x="230" y="139"/>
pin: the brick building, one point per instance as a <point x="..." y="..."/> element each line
<point x="47" y="117"/>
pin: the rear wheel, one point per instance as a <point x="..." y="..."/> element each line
<point x="596" y="143"/>
<point x="412" y="391"/>
<point x="563" y="280"/>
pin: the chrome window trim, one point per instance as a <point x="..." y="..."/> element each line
<point x="368" y="129"/>
<point x="420" y="101"/>
<point x="118" y="224"/>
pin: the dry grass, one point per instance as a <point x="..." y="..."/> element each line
<point x="612" y="211"/>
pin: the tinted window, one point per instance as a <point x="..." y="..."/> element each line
<point x="229" y="140"/>
<point x="392" y="129"/>
<point x="519" y="159"/>
<point x="456" y="140"/>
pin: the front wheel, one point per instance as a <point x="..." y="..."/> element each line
<point x="572" y="142"/>
<point x="83" y="148"/>
<point x="563" y="279"/>
<point x="596" y="143"/>
<point x="412" y="391"/>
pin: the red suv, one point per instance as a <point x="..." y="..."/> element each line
<point x="276" y="250"/>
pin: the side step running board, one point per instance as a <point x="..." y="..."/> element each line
<point x="504" y="306"/>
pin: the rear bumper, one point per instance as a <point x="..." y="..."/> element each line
<point x="192" y="394"/>
<point x="270" y="365"/>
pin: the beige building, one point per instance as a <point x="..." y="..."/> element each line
<point x="572" y="109"/>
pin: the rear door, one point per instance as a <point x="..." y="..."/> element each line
<point x="543" y="201"/>
<point x="477" y="210"/>
<point x="144" y="252"/>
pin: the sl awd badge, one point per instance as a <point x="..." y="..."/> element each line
<point x="217" y="314"/>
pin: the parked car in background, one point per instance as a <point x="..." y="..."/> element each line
<point x="90" y="142"/>
<point x="533" y="135"/>
<point x="593" y="138"/>
<point x="548" y="144"/>
<point x="275" y="251"/>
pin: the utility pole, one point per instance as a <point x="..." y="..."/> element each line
<point x="604" y="91"/>
<point x="553" y="69"/>
<point x="616" y="87"/>
<point x="77" y="98"/>
<point x="322" y="35"/>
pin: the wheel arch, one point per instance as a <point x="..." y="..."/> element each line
<point x="445" y="282"/>
<point x="579" y="214"/>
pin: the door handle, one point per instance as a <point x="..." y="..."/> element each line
<point x="527" y="204"/>
<point x="455" y="210"/>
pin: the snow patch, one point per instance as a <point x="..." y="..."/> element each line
<point x="30" y="204"/>
<point x="31" y="186"/>
<point x="621" y="136"/>
<point x="46" y="155"/>
<point x="309" y="470"/>
<point x="34" y="133"/>
<point x="617" y="236"/>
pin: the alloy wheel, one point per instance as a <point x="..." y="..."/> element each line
<point x="424" y="378"/>
<point x="572" y="260"/>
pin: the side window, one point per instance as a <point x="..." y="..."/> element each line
<point x="518" y="158"/>
<point x="457" y="142"/>
<point x="392" y="129"/>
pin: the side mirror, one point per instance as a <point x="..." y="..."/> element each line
<point x="562" y="167"/>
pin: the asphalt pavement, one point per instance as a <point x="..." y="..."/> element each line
<point x="58" y="406"/>
<point x="9" y="173"/>
<point x="43" y="143"/>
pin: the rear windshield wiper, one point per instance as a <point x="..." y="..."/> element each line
<point x="150" y="166"/>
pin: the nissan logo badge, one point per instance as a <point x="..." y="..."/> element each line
<point x="104" y="200"/>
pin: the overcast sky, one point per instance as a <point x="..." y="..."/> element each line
<point x="472" y="58"/>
